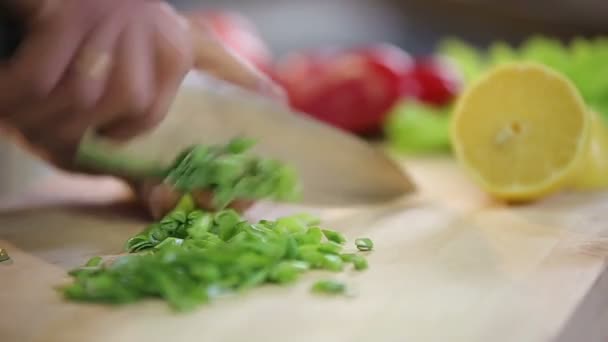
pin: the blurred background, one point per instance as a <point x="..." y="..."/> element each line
<point x="415" y="25"/>
<point x="393" y="68"/>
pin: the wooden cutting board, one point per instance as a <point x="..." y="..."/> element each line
<point x="449" y="265"/>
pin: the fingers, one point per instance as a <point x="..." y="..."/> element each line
<point x="204" y="200"/>
<point x="159" y="199"/>
<point x="39" y="64"/>
<point x="57" y="122"/>
<point x="216" y="59"/>
<point x="86" y="82"/>
<point x="37" y="88"/>
<point x="94" y="62"/>
<point x="170" y="60"/>
<point x="113" y="73"/>
<point x="131" y="85"/>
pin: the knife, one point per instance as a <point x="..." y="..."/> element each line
<point x="336" y="168"/>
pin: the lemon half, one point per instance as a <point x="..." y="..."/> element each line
<point x="523" y="131"/>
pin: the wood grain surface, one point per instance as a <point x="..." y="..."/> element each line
<point x="449" y="265"/>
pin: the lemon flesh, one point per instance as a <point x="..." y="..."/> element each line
<point x="592" y="169"/>
<point x="523" y="131"/>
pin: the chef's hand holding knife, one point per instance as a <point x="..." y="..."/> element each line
<point x="114" y="65"/>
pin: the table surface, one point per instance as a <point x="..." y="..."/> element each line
<point x="450" y="264"/>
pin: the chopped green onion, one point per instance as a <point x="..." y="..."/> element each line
<point x="220" y="253"/>
<point x="364" y="244"/>
<point x="285" y="272"/>
<point x="348" y="257"/>
<point x="315" y="259"/>
<point x="332" y="262"/>
<point x="199" y="223"/>
<point x="334" y="236"/>
<point x="240" y="145"/>
<point x="185" y="204"/>
<point x="172" y="241"/>
<point x="312" y="237"/>
<point x="94" y="261"/>
<point x="360" y="263"/>
<point x="329" y="287"/>
<point x="230" y="174"/>
<point x="330" y="248"/>
<point x="190" y="257"/>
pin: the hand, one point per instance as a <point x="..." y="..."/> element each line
<point x="112" y="65"/>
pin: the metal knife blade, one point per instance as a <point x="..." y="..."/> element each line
<point x="336" y="168"/>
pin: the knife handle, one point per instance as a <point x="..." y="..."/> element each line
<point x="11" y="32"/>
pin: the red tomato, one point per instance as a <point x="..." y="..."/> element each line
<point x="239" y="34"/>
<point x="299" y="74"/>
<point x="349" y="89"/>
<point x="432" y="81"/>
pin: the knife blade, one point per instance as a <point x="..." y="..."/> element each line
<point x="336" y="168"/>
